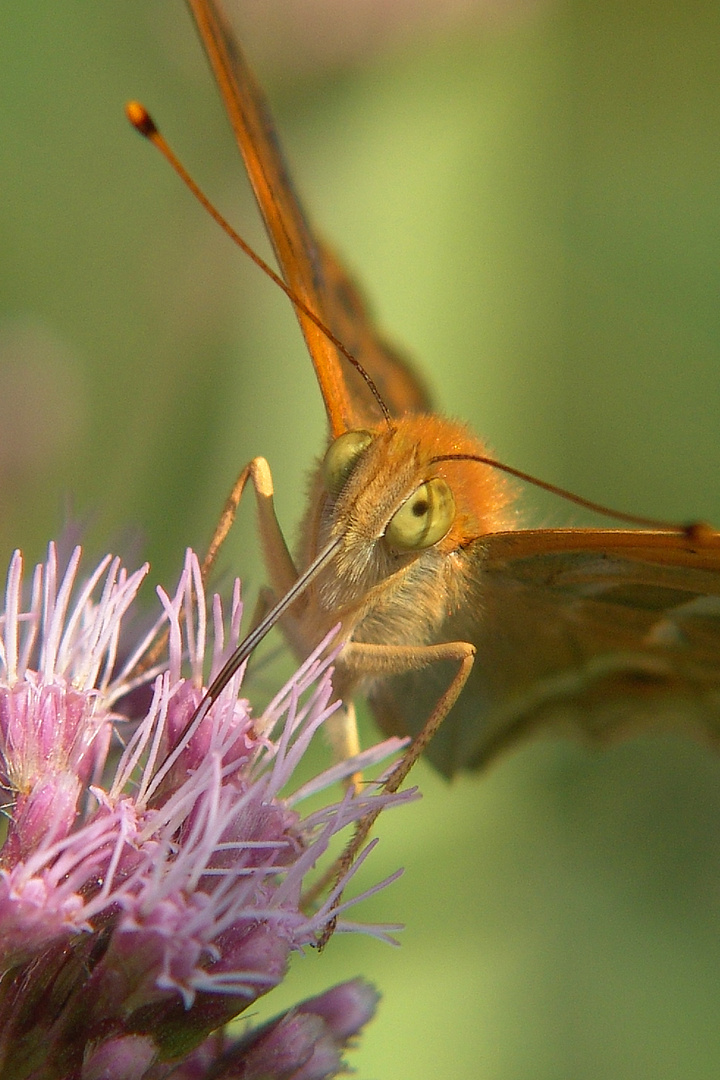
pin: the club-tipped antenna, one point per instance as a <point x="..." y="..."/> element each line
<point x="142" y="121"/>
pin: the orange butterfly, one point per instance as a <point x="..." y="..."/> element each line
<point x="410" y="545"/>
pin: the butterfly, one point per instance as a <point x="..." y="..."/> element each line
<point x="408" y="543"/>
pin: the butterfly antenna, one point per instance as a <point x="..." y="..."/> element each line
<point x="693" y="530"/>
<point x="141" y="120"/>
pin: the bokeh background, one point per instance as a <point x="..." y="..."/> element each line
<point x="531" y="194"/>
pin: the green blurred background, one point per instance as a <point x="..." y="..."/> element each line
<point x="531" y="195"/>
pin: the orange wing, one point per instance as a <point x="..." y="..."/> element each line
<point x="308" y="266"/>
<point x="600" y="632"/>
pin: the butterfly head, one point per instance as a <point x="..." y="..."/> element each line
<point x="394" y="507"/>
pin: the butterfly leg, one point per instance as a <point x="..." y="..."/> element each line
<point x="368" y="660"/>
<point x="342" y="734"/>
<point x="342" y="727"/>
<point x="363" y="660"/>
<point x="277" y="558"/>
<point x="278" y="561"/>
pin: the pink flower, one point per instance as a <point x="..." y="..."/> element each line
<point x="147" y="898"/>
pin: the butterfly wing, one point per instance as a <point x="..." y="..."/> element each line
<point x="599" y="632"/>
<point x="309" y="267"/>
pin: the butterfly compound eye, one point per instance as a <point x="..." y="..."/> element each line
<point x="342" y="457"/>
<point x="424" y="518"/>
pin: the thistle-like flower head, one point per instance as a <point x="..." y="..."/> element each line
<point x="152" y="872"/>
